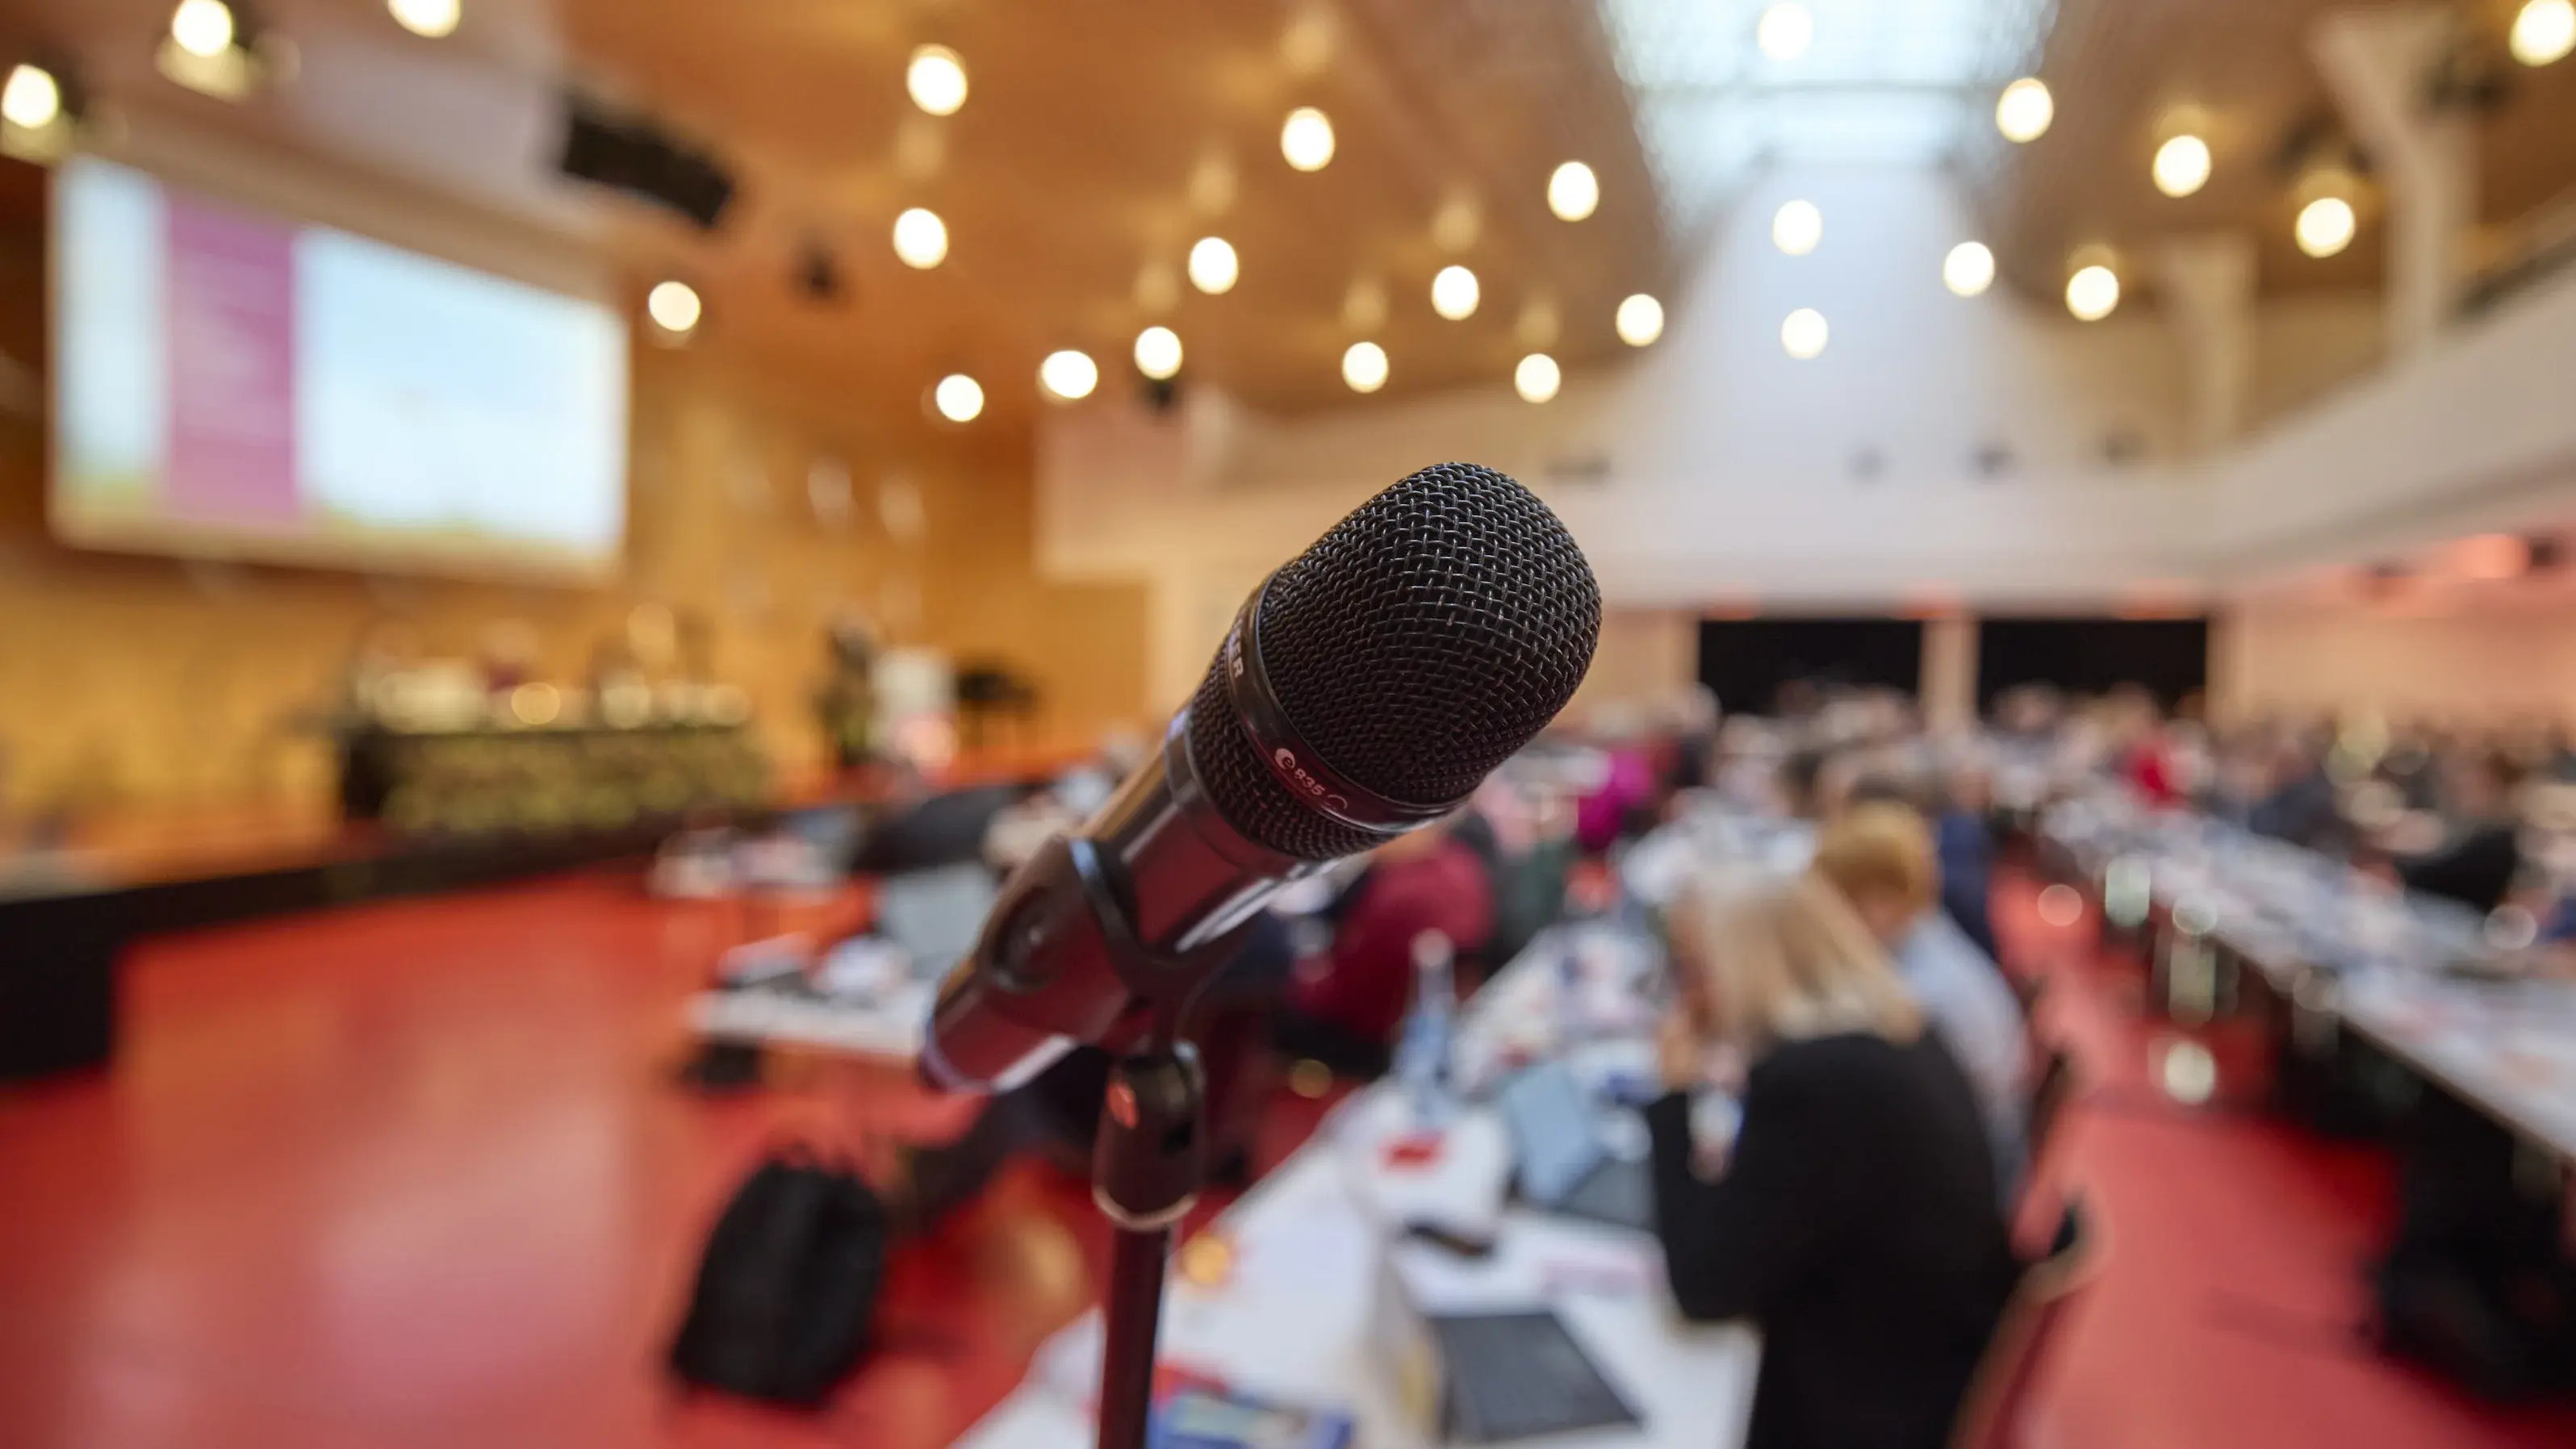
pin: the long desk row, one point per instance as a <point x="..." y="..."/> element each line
<point x="2417" y="978"/>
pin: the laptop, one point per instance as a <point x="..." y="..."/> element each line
<point x="1562" y="1162"/>
<point x="1486" y="1375"/>
<point x="936" y="914"/>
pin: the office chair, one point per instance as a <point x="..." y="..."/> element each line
<point x="1993" y="1414"/>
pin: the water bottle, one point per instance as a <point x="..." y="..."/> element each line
<point x="1422" y="1056"/>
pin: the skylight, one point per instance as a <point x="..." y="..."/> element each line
<point x="1892" y="81"/>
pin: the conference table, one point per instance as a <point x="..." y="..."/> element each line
<point x="1303" y="1311"/>
<point x="1305" y="1308"/>
<point x="2416" y="978"/>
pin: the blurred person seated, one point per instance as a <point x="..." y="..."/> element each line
<point x="1801" y="782"/>
<point x="2297" y="799"/>
<point x="1854" y="1217"/>
<point x="1690" y="760"/>
<point x="1881" y="857"/>
<point x="1854" y="774"/>
<point x="1627" y="788"/>
<point x="1965" y="885"/>
<point x="2147" y="753"/>
<point x="2476" y="863"/>
<point x="2409" y="762"/>
<point x="1526" y="842"/>
<point x="1965" y="843"/>
<point x="1345" y="1004"/>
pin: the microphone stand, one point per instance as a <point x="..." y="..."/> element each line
<point x="1147" y="1159"/>
<point x="1145" y="1177"/>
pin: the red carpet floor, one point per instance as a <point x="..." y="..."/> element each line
<point x="417" y="1175"/>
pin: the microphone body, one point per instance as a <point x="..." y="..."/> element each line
<point x="1150" y="884"/>
<point x="1365" y="689"/>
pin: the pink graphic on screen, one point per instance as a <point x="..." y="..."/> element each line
<point x="231" y="319"/>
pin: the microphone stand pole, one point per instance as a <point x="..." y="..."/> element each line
<point x="1146" y="1161"/>
<point x="1145" y="1177"/>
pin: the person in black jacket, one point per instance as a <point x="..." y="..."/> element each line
<point x="1853" y="1218"/>
<point x="2476" y="863"/>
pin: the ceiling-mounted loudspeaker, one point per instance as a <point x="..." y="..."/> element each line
<point x="818" y="274"/>
<point x="635" y="156"/>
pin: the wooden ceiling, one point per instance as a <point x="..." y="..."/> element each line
<point x="1100" y="140"/>
<point x="1097" y="142"/>
<point x="2124" y="71"/>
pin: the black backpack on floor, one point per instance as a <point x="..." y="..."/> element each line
<point x="788" y="1285"/>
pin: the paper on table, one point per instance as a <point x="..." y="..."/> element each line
<point x="1461" y="1188"/>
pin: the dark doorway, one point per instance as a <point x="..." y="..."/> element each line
<point x="1747" y="660"/>
<point x="2168" y="657"/>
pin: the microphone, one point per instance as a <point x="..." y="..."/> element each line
<point x="1365" y="689"/>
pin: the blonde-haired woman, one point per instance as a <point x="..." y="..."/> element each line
<point x="1854" y="1218"/>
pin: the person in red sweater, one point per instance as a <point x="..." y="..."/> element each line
<point x="1345" y="1005"/>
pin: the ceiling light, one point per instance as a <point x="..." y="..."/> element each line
<point x="1785" y="31"/>
<point x="435" y="19"/>
<point x="1968" y="269"/>
<point x="1537" y="378"/>
<point x="937" y="80"/>
<point x="2092" y="292"/>
<point x="32" y="99"/>
<point x="1573" y="191"/>
<point x="2325" y="226"/>
<point x="1213" y="266"/>
<point x="203" y="28"/>
<point x="2544" y="31"/>
<point x="1306" y="139"/>
<point x="1802" y="333"/>
<point x="1069" y="375"/>
<point x="2024" y="110"/>
<point x="1640" y="320"/>
<point x="1796" y="228"/>
<point x="960" y="398"/>
<point x="673" y="306"/>
<point x="1454" y="293"/>
<point x="2182" y="165"/>
<point x="1364" y="367"/>
<point x="921" y="238"/>
<point x="1158" y="353"/>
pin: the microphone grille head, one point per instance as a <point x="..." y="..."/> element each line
<point x="1420" y="643"/>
